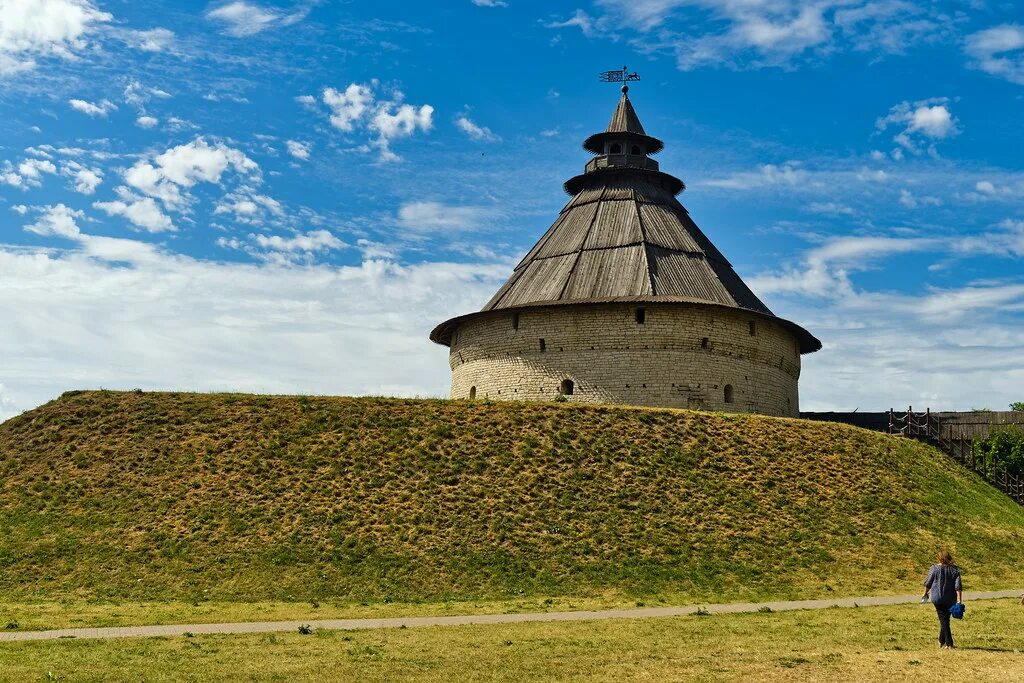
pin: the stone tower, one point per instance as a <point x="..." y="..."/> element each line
<point x="624" y="300"/>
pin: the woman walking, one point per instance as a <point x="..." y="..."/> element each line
<point x="943" y="582"/>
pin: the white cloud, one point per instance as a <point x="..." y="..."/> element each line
<point x="759" y="33"/>
<point x="243" y="19"/>
<point x="348" y="107"/>
<point x="31" y="170"/>
<point x="9" y="176"/>
<point x="767" y="175"/>
<point x="824" y="270"/>
<point x="101" y="109"/>
<point x="28" y="173"/>
<point x="61" y="221"/>
<point x="169" y="175"/>
<point x="177" y="124"/>
<point x="934" y="122"/>
<point x="173" y="322"/>
<point x="427" y="216"/>
<point x="892" y="26"/>
<point x="925" y="120"/>
<point x="146" y="121"/>
<point x="57" y="221"/>
<point x="142" y="212"/>
<point x="32" y="29"/>
<point x="248" y="206"/>
<point x="474" y="131"/>
<point x="999" y="51"/>
<point x="830" y="208"/>
<point x="299" y="150"/>
<point x="912" y="201"/>
<point x="137" y="94"/>
<point x="938" y="347"/>
<point x="490" y="3"/>
<point x="84" y="180"/>
<point x="581" y="20"/>
<point x="358" y="107"/>
<point x="316" y="240"/>
<point x="19" y="209"/>
<point x="1008" y="190"/>
<point x="153" y="40"/>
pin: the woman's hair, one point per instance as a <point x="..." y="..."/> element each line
<point x="945" y="557"/>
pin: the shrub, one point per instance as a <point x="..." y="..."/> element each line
<point x="1017" y="406"/>
<point x="1004" y="447"/>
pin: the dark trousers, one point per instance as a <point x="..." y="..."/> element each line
<point x="945" y="635"/>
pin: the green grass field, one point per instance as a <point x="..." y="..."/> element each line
<point x="193" y="498"/>
<point x="877" y="643"/>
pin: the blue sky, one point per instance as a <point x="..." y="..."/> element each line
<point x="286" y="197"/>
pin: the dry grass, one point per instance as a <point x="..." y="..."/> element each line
<point x="153" y="496"/>
<point x="877" y="643"/>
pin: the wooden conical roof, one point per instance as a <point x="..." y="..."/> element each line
<point x="624" y="125"/>
<point x="625" y="237"/>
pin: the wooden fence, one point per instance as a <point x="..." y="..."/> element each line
<point x="955" y="434"/>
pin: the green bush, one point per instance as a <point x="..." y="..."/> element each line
<point x="1018" y="406"/>
<point x="1004" y="447"/>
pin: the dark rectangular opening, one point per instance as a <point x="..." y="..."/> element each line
<point x="705" y="343"/>
<point x="641" y="316"/>
<point x="515" y="321"/>
<point x="543" y="346"/>
<point x="753" y="328"/>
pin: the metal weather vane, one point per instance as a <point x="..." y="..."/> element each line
<point x="618" y="76"/>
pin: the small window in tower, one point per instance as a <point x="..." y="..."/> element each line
<point x="753" y="328"/>
<point x="543" y="346"/>
<point x="728" y="393"/>
<point x="515" y="321"/>
<point x="567" y="387"/>
<point x="635" y="150"/>
<point x="641" y="316"/>
<point x="472" y="393"/>
<point x="616" y="149"/>
<point x="705" y="343"/>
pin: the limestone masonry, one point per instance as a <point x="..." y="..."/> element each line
<point x="625" y="300"/>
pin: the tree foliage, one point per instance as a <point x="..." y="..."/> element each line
<point x="1004" y="447"/>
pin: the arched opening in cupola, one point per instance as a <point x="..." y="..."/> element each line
<point x="616" y="148"/>
<point x="472" y="393"/>
<point x="567" y="388"/>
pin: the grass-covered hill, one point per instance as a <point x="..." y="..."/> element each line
<point x="157" y="495"/>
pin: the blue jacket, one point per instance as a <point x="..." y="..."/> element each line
<point x="943" y="582"/>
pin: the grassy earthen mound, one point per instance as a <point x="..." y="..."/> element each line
<point x="173" y="495"/>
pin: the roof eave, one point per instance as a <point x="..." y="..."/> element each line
<point x="573" y="185"/>
<point x="595" y="143"/>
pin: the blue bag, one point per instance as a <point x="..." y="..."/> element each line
<point x="957" y="610"/>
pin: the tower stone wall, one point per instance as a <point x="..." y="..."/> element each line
<point x="669" y="355"/>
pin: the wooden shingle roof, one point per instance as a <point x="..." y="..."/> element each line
<point x="625" y="237"/>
